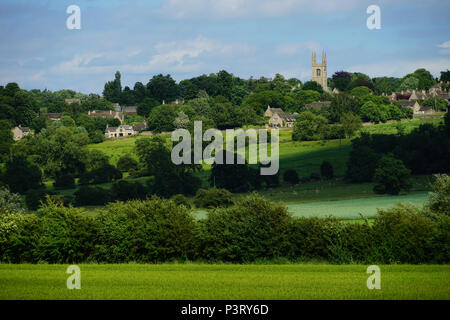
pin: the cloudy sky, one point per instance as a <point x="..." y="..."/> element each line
<point x="186" y="38"/>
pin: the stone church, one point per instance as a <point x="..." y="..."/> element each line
<point x="319" y="71"/>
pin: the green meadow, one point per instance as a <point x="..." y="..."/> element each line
<point x="224" y="282"/>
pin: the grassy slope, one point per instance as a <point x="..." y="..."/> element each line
<point x="196" y="281"/>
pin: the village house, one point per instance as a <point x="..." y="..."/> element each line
<point x="278" y="118"/>
<point x="130" y="110"/>
<point x="120" y="131"/>
<point x="55" y="116"/>
<point x="19" y="132"/>
<point x="124" y="130"/>
<point x="107" y="114"/>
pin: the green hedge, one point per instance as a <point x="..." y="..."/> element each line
<point x="252" y="229"/>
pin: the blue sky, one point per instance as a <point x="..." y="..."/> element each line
<point x="186" y="38"/>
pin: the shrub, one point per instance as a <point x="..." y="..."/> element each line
<point x="291" y="176"/>
<point x="34" y="198"/>
<point x="207" y="198"/>
<point x="64" y="181"/>
<point x="180" y="199"/>
<point x="106" y="173"/>
<point x="124" y="190"/>
<point x="126" y="164"/>
<point x="160" y="231"/>
<point x="10" y="202"/>
<point x="314" y="176"/>
<point x="326" y="170"/>
<point x="92" y="196"/>
<point x="252" y="229"/>
<point x="391" y="176"/>
<point x="67" y="234"/>
<point x="402" y="234"/>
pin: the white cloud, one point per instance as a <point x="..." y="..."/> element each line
<point x="243" y="8"/>
<point x="445" y="46"/>
<point x="401" y="68"/>
<point x="79" y="64"/>
<point x="299" y="47"/>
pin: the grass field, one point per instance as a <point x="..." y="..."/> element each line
<point x="346" y="209"/>
<point x="224" y="282"/>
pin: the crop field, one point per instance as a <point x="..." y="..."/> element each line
<point x="224" y="282"/>
<point x="346" y="209"/>
<point x="351" y="209"/>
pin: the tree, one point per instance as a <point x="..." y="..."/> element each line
<point x="391" y="176"/>
<point x="309" y="127"/>
<point x="326" y="170"/>
<point x="341" y="103"/>
<point x="409" y="83"/>
<point x="181" y="121"/>
<point x="10" y="202"/>
<point x="161" y="118"/>
<point x="436" y="103"/>
<point x="312" y="85"/>
<point x="350" y="123"/>
<point x="21" y="175"/>
<point x="290" y="176"/>
<point x="162" y="88"/>
<point x="371" y="112"/>
<point x="445" y="76"/>
<point x="145" y="107"/>
<point x="113" y="89"/>
<point x="360" y="91"/>
<point x="341" y="80"/>
<point x="126" y="163"/>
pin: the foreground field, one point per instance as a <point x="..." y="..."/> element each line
<point x="196" y="281"/>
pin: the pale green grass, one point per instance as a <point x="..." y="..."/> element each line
<point x="224" y="282"/>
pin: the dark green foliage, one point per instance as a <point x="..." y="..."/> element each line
<point x="21" y="175"/>
<point x="290" y="176"/>
<point x="181" y="200"/>
<point x="252" y="229"/>
<point x="126" y="163"/>
<point x="106" y="173"/>
<point x="64" y="181"/>
<point x="34" y="198"/>
<point x="67" y="235"/>
<point x="326" y="170"/>
<point x="391" y="176"/>
<point x="92" y="196"/>
<point x="124" y="190"/>
<point x="213" y="198"/>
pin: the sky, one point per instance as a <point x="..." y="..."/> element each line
<point x="188" y="38"/>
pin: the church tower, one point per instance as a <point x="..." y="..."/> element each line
<point x="319" y="70"/>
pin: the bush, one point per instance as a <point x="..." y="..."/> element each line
<point x="124" y="190"/>
<point x="402" y="235"/>
<point x="252" y="229"/>
<point x="314" y="176"/>
<point x="34" y="198"/>
<point x="159" y="231"/>
<point x="391" y="176"/>
<point x="326" y="170"/>
<point x="126" y="164"/>
<point x="291" y="176"/>
<point x="106" y="173"/>
<point x="181" y="200"/>
<point x="64" y="181"/>
<point x="92" y="196"/>
<point x="67" y="235"/>
<point x="208" y="198"/>
<point x="10" y="202"/>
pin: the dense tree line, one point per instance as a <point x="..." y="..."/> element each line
<point x="251" y="229"/>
